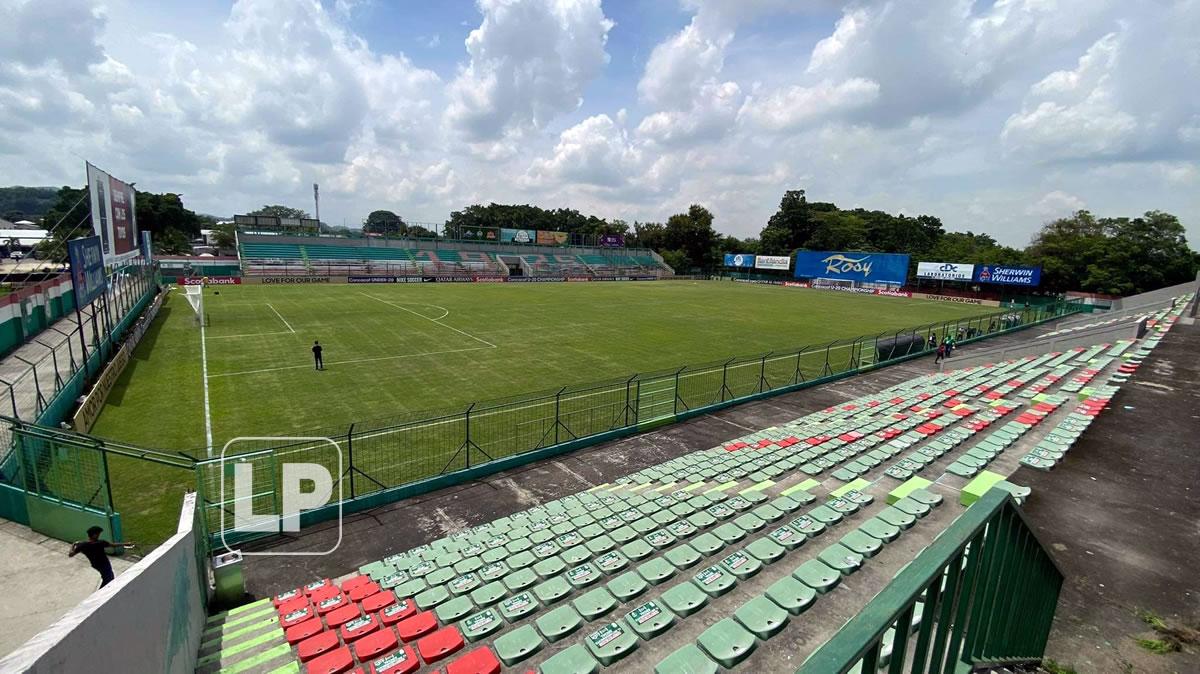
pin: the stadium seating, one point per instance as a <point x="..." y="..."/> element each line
<point x="782" y="515"/>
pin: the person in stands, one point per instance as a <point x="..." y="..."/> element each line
<point x="941" y="353"/>
<point x="96" y="551"/>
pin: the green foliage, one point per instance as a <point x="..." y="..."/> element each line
<point x="693" y="235"/>
<point x="26" y="203"/>
<point x="386" y="223"/>
<point x="1158" y="646"/>
<point x="1055" y="668"/>
<point x="224" y="237"/>
<point x="160" y="214"/>
<point x="67" y="219"/>
<point x="525" y="216"/>
<point x="280" y="211"/>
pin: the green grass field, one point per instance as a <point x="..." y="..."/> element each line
<point x="393" y="351"/>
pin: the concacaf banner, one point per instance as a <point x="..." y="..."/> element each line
<point x="740" y="260"/>
<point x="772" y="262"/>
<point x="113" y="215"/>
<point x="945" y="271"/>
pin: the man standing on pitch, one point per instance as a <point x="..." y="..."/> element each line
<point x="317" y="355"/>
<point x="94" y="548"/>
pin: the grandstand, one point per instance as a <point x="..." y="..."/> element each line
<point x="269" y="255"/>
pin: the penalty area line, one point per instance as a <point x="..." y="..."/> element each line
<point x="432" y="320"/>
<point x="289" y="325"/>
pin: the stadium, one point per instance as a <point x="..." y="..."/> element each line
<point x="531" y="439"/>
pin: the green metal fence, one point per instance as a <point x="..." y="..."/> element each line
<point x="983" y="593"/>
<point x="381" y="461"/>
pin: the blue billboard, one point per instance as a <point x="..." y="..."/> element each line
<point x="860" y="267"/>
<point x="87" y="268"/>
<point x="1008" y="275"/>
<point x="741" y="260"/>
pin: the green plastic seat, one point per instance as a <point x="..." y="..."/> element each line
<point x="558" y="623"/>
<point x="594" y="603"/>
<point x="707" y="544"/>
<point x="749" y="522"/>
<point x="762" y="617"/>
<point x="701" y="520"/>
<point x="714" y="580"/>
<point x="807" y="526"/>
<point x="520" y="560"/>
<point x="842" y="505"/>
<point x="684" y="599"/>
<point x="513" y="647"/>
<point x="656" y="570"/>
<point x="659" y="539"/>
<point x="627" y="586"/>
<point x="637" y="549"/>
<point x="729" y="533"/>
<point x="727" y="642"/>
<point x="611" y="562"/>
<point x="611" y="642"/>
<point x="463" y="584"/>
<point x="410" y="588"/>
<point x="766" y="550"/>
<point x="825" y="515"/>
<point x="518" y="606"/>
<point x="440" y="576"/>
<point x="840" y="558"/>
<point x="877" y="528"/>
<point x="481" y="625"/>
<point x="520" y="579"/>
<point x="549" y="567"/>
<point x="681" y="529"/>
<point x="623" y="534"/>
<point x="912" y="507"/>
<point x="895" y="517"/>
<point x="767" y="512"/>
<point x="573" y="660"/>
<point x="791" y="595"/>
<point x="432" y="597"/>
<point x="649" y="619"/>
<point x="741" y="564"/>
<point x="682" y="557"/>
<point x="787" y="504"/>
<point x="452" y="610"/>
<point x="600" y="544"/>
<point x="687" y="660"/>
<point x="583" y="575"/>
<point x="817" y="575"/>
<point x="493" y="571"/>
<point x="787" y="537"/>
<point x="862" y="543"/>
<point x="551" y="590"/>
<point x="468" y="565"/>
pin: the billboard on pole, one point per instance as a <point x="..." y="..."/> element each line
<point x="87" y="268"/>
<point x="744" y="260"/>
<point x="1008" y="275"/>
<point x="113" y="215"/>
<point x="772" y="262"/>
<point x="945" y="271"/>
<point x="852" y="266"/>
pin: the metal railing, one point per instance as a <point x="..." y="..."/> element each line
<point x="987" y="590"/>
<point x="398" y="452"/>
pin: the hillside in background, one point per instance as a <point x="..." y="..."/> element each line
<point x="26" y="203"/>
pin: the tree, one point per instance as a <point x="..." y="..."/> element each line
<point x="790" y="227"/>
<point x="385" y="223"/>
<point x="1065" y="248"/>
<point x="279" y="211"/>
<point x="224" y="237"/>
<point x="68" y="218"/>
<point x="158" y="213"/>
<point x="172" y="242"/>
<point x="692" y="233"/>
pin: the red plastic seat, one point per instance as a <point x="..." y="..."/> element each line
<point x="322" y="593"/>
<point x="359" y="627"/>
<point x="351" y="583"/>
<point x="301" y="631"/>
<point x="333" y="662"/>
<point x="397" y="612"/>
<point x="287" y="596"/>
<point x="401" y="661"/>
<point x="416" y="625"/>
<point x="317" y="586"/>
<point x="341" y="616"/>
<point x="292" y="605"/>
<point x="318" y="644"/>
<point x="296" y="617"/>
<point x="330" y="604"/>
<point x="435" y="646"/>
<point x="479" y="661"/>
<point x="371" y="645"/>
<point x="377" y="601"/>
<point x="362" y="591"/>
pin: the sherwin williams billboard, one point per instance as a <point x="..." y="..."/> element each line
<point x="848" y="266"/>
<point x="1008" y="275"/>
<point x="739" y="260"/>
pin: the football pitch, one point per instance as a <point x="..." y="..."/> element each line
<point x="393" y="351"/>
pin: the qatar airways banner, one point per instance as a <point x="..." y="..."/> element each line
<point x="113" y="215"/>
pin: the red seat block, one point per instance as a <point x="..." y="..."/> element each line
<point x="402" y="661"/>
<point x="416" y="625"/>
<point x="362" y="591"/>
<point x="296" y="617"/>
<point x="359" y="627"/>
<point x="371" y="645"/>
<point x="301" y="631"/>
<point x="439" y="644"/>
<point x="478" y="661"/>
<point x="322" y="593"/>
<point x="283" y="597"/>
<point x="397" y="612"/>
<point x="342" y="615"/>
<point x="377" y="601"/>
<point x="318" y="644"/>
<point x="292" y="605"/>
<point x="333" y="662"/>
<point x="330" y="604"/>
<point x="318" y="585"/>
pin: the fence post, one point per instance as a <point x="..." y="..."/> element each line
<point x="467" y="442"/>
<point x="724" y="375"/>
<point x="557" y="407"/>
<point x="350" y="457"/>
<point x="762" y="372"/>
<point x="675" y="402"/>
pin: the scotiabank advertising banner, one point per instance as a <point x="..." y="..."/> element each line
<point x="113" y="215"/>
<point x="211" y="281"/>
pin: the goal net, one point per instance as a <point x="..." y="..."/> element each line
<point x="195" y="297"/>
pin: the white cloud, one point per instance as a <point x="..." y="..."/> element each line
<point x="529" y="63"/>
<point x="796" y="106"/>
<point x="1056" y="204"/>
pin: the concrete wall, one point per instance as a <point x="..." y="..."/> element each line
<point x="1154" y="297"/>
<point x="147" y="620"/>
<point x="1085" y="338"/>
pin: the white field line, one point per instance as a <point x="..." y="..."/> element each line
<point x="255" y="334"/>
<point x="208" y="435"/>
<point x="431" y="320"/>
<point x="289" y="325"/>
<point x="350" y="362"/>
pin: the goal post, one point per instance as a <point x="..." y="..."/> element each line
<point x="195" y="297"/>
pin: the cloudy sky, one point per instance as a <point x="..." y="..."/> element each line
<point x="994" y="115"/>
